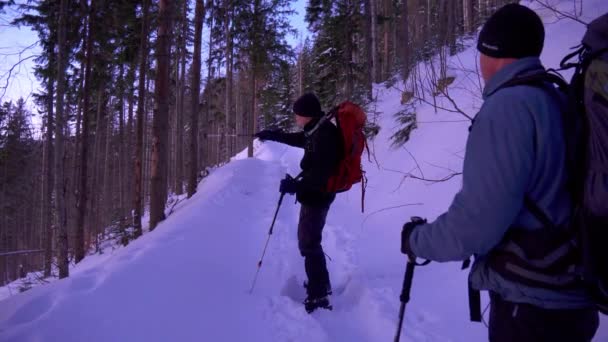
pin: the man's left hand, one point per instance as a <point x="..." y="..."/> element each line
<point x="288" y="186"/>
<point x="405" y="235"/>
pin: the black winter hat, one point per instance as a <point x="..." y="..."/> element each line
<point x="514" y="31"/>
<point x="308" y="105"/>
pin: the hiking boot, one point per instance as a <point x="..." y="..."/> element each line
<point x="328" y="290"/>
<point x="311" y="304"/>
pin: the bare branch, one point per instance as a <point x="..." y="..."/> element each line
<point x="389" y="208"/>
<point x="441" y="121"/>
<point x="478" y="72"/>
<point x="9" y="73"/>
<point x="455" y="154"/>
<point x="415" y="161"/>
<point x="444" y="179"/>
<point x="560" y="13"/>
<point x="435" y="105"/>
<point x="40" y="278"/>
<point x="456" y="109"/>
<point x="407" y="175"/>
<point x="175" y="204"/>
<point x="22" y="252"/>
<point x="445" y="93"/>
<point x="441" y="167"/>
<point x="374" y="121"/>
<point x="19" y="53"/>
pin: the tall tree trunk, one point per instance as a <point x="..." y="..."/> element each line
<point x="206" y="153"/>
<point x="466" y="15"/>
<point x="97" y="189"/>
<point x="121" y="179"/>
<point x="300" y="73"/>
<point x="199" y="15"/>
<point x="148" y="140"/>
<point x="179" y="157"/>
<point x="232" y="117"/>
<point x="367" y="42"/>
<point x="374" y="41"/>
<point x="139" y="145"/>
<point x="387" y="29"/>
<point x="94" y="198"/>
<point x="60" y="189"/>
<point x="158" y="196"/>
<point x="238" y="115"/>
<point x="79" y="244"/>
<point x="49" y="175"/>
<point x="452" y="28"/>
<point x="254" y="120"/>
<point x="348" y="58"/>
<point x="106" y="202"/>
<point x="228" y="93"/>
<point x="471" y="15"/>
<point x="404" y="39"/>
<point x="76" y="161"/>
<point x="130" y="165"/>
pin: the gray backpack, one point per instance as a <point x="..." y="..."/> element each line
<point x="590" y="86"/>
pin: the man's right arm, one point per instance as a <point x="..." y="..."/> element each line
<point x="497" y="171"/>
<point x="292" y="139"/>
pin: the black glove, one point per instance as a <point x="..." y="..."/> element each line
<point x="289" y="186"/>
<point x="267" y="135"/>
<point x="405" y="235"/>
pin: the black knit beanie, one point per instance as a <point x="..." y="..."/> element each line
<point x="308" y="105"/>
<point x="514" y="31"/>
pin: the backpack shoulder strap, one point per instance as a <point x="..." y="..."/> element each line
<point x="538" y="79"/>
<point x="324" y="118"/>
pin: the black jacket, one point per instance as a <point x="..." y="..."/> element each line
<point x="323" y="150"/>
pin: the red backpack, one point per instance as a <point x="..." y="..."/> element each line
<point x="350" y="120"/>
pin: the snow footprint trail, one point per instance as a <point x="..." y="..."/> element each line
<point x="356" y="315"/>
<point x="360" y="312"/>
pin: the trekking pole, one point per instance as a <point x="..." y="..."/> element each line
<point x="267" y="240"/>
<point x="407" y="282"/>
<point x="405" y="294"/>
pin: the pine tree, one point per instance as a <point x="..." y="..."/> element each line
<point x="139" y="145"/>
<point x="60" y="187"/>
<point x="276" y="98"/>
<point x="84" y="143"/>
<point x="40" y="18"/>
<point x="158" y="183"/>
<point x="260" y="30"/>
<point x="199" y="17"/>
<point x="341" y="74"/>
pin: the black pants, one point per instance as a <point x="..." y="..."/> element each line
<point x="310" y="229"/>
<point x="528" y="323"/>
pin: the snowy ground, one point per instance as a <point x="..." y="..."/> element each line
<point x="189" y="280"/>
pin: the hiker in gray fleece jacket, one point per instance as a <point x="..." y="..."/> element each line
<point x="515" y="149"/>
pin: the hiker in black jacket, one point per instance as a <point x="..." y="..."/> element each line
<point x="322" y="151"/>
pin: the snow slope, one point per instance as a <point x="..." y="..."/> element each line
<point x="189" y="280"/>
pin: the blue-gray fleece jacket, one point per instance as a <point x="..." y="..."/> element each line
<point x="516" y="148"/>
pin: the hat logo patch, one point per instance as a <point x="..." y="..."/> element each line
<point x="491" y="47"/>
